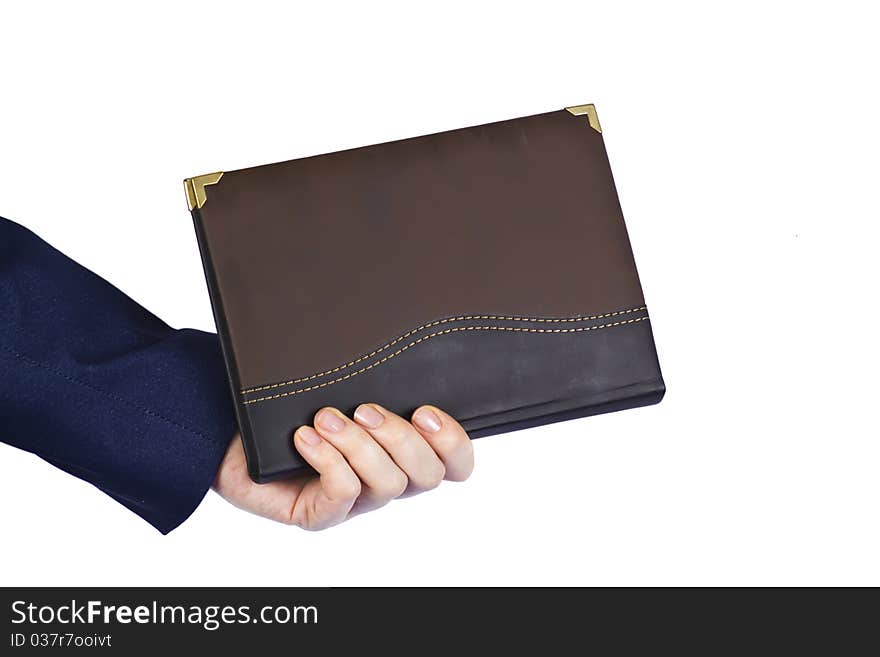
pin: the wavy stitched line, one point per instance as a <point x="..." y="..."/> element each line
<point x="434" y="335"/>
<point x="430" y="325"/>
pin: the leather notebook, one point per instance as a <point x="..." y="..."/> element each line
<point x="485" y="270"/>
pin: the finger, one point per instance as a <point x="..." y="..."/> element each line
<point x="327" y="499"/>
<point x="404" y="444"/>
<point x="381" y="478"/>
<point x="448" y="440"/>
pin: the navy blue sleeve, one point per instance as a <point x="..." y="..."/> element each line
<point x="96" y="385"/>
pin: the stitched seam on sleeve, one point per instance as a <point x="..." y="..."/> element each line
<point x="104" y="393"/>
<point x="461" y="318"/>
<point x="514" y="329"/>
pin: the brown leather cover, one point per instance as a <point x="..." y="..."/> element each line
<point x="499" y="247"/>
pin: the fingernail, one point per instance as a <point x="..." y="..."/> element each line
<point x="368" y="416"/>
<point x="309" y="436"/>
<point x="427" y="420"/>
<point x="330" y="421"/>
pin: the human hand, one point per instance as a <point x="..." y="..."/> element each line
<point x="361" y="465"/>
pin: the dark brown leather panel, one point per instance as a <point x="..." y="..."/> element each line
<point x="438" y="330"/>
<point x="492" y="382"/>
<point x="519" y="217"/>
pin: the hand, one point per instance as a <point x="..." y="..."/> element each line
<point x="361" y="465"/>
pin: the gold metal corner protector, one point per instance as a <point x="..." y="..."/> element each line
<point x="195" y="188"/>
<point x="590" y="111"/>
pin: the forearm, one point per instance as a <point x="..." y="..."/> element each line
<point x="100" y="387"/>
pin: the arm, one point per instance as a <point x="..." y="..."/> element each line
<point x="96" y="385"/>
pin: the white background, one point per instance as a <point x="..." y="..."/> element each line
<point x="745" y="146"/>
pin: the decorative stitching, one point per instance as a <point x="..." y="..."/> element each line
<point x="516" y="329"/>
<point x="461" y="318"/>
